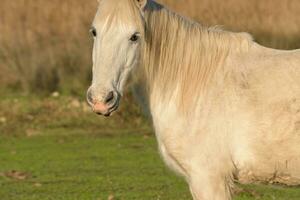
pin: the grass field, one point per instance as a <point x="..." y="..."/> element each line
<point x="54" y="148"/>
<point x="82" y="167"/>
<point x="70" y="165"/>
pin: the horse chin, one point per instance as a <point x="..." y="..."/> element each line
<point x="107" y="115"/>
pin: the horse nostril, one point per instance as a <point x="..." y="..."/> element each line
<point x="109" y="97"/>
<point x="89" y="96"/>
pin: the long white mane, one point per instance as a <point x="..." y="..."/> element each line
<point x="182" y="54"/>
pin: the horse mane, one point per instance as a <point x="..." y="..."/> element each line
<point x="182" y="55"/>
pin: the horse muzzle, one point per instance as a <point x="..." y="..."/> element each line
<point x="106" y="106"/>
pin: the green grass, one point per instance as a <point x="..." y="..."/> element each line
<point x="86" y="166"/>
<point x="50" y="150"/>
<point x="79" y="166"/>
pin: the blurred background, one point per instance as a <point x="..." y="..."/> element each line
<point x="45" y="46"/>
<point x="53" y="147"/>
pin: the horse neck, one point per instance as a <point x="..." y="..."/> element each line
<point x="180" y="57"/>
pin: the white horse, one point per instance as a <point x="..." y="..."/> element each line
<point x="224" y="108"/>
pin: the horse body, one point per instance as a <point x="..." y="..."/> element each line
<point x="248" y="131"/>
<point x="273" y="92"/>
<point x="224" y="108"/>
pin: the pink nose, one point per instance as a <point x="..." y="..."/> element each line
<point x="100" y="108"/>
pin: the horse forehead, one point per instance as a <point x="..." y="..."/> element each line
<point x="106" y="28"/>
<point x="120" y="12"/>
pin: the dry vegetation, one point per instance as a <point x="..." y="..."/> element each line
<point x="274" y="23"/>
<point x="45" y="46"/>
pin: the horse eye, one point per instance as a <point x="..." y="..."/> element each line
<point x="134" y="37"/>
<point x="93" y="32"/>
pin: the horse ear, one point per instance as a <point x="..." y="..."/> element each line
<point x="141" y="3"/>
